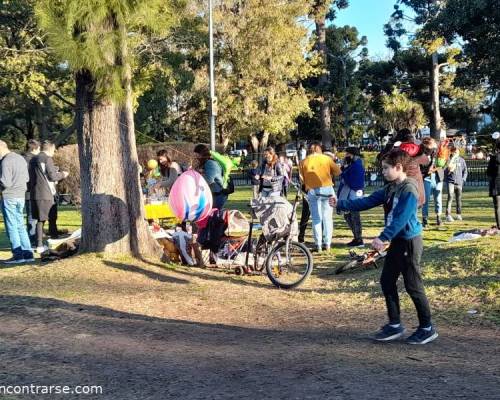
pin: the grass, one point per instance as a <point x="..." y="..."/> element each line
<point x="459" y="277"/>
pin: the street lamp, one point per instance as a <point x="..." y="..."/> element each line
<point x="344" y="87"/>
<point x="213" y="99"/>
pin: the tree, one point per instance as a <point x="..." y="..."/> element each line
<point x="36" y="92"/>
<point x="476" y="24"/>
<point x="343" y="45"/>
<point x="399" y="112"/>
<point x="425" y="12"/>
<point x="323" y="11"/>
<point x="99" y="41"/>
<point x="263" y="54"/>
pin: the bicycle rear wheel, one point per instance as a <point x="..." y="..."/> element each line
<point x="289" y="265"/>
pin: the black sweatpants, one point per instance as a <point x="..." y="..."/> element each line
<point x="304" y="219"/>
<point x="403" y="257"/>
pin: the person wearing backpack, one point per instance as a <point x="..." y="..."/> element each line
<point x="433" y="181"/>
<point x="271" y="174"/>
<point x="212" y="171"/>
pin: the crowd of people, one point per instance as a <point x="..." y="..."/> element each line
<point x="29" y="182"/>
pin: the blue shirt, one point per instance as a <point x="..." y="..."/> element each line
<point x="400" y="209"/>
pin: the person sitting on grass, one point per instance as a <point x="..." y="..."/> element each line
<point x="403" y="230"/>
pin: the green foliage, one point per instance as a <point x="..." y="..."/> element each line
<point x="477" y="24"/>
<point x="103" y="36"/>
<point x="35" y="90"/>
<point x="400" y="112"/>
<point x="261" y="61"/>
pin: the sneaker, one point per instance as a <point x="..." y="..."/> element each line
<point x="458" y="217"/>
<point x="388" y="333"/>
<point x="422" y="336"/>
<point x="356" y="243"/>
<point x="449" y="218"/>
<point x="13" y="260"/>
<point x="29" y="260"/>
<point x="41" y="249"/>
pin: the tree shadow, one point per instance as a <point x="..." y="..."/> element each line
<point x="149" y="274"/>
<point x="197" y="273"/>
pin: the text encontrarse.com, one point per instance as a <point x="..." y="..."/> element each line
<point x="49" y="389"/>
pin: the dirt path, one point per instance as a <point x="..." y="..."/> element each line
<point x="44" y="341"/>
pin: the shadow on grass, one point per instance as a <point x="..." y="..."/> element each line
<point x="149" y="274"/>
<point x="226" y="275"/>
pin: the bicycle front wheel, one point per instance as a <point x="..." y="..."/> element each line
<point x="289" y="265"/>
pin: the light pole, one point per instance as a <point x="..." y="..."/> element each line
<point x="213" y="99"/>
<point x="344" y="88"/>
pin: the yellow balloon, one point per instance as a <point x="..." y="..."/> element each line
<point x="152" y="164"/>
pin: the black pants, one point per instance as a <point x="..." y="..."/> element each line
<point x="304" y="219"/>
<point x="353" y="220"/>
<point x="454" y="190"/>
<point x="496" y="205"/>
<point x="403" y="257"/>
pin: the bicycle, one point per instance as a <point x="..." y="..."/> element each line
<point x="365" y="260"/>
<point x="287" y="263"/>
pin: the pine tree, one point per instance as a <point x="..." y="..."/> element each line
<point x="99" y="40"/>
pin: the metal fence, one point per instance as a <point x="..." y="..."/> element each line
<point x="476" y="175"/>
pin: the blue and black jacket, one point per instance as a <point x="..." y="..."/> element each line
<point x="400" y="209"/>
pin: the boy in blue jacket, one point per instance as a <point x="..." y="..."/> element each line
<point x="403" y="230"/>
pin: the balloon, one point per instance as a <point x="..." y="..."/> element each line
<point x="152" y="164"/>
<point x="190" y="197"/>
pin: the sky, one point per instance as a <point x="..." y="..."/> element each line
<point x="369" y="16"/>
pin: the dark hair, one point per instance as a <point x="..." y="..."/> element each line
<point x="203" y="151"/>
<point x="397" y="156"/>
<point x="164" y="169"/>
<point x="353" y="150"/>
<point x="32" y="145"/>
<point x="271" y="151"/>
<point x="47" y="145"/>
<point x="404" y="135"/>
<point x="315" y="146"/>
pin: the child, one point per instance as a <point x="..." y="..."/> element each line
<point x="403" y="231"/>
<point x="254" y="178"/>
<point x="456" y="174"/>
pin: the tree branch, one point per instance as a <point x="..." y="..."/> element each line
<point x="60" y="97"/>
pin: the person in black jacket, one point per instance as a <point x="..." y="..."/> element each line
<point x="32" y="150"/>
<point x="493" y="173"/>
<point x="44" y="176"/>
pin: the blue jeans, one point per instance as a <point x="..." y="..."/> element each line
<point x="13" y="216"/>
<point x="436" y="189"/>
<point x="322" y="215"/>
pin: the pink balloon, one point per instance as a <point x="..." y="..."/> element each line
<point x="190" y="197"/>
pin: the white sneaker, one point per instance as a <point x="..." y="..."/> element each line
<point x="41" y="249"/>
<point x="458" y="217"/>
<point x="449" y="218"/>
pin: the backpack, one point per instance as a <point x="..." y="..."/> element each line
<point x="229" y="189"/>
<point x="443" y="154"/>
<point x="210" y="236"/>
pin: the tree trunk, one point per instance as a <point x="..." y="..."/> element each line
<point x="112" y="211"/>
<point x="436" y="114"/>
<point x="323" y="83"/>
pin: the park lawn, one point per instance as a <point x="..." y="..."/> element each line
<point x="459" y="278"/>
